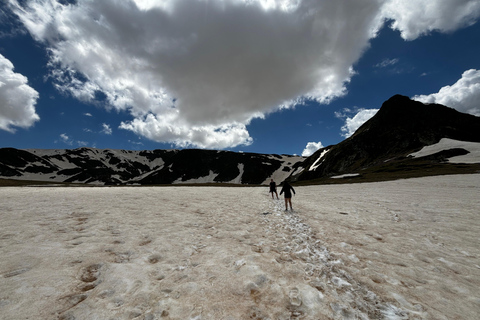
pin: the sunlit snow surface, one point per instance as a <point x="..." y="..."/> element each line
<point x="473" y="148"/>
<point x="315" y="165"/>
<point x="406" y="249"/>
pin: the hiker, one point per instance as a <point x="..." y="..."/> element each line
<point x="288" y="195"/>
<point x="273" y="188"/>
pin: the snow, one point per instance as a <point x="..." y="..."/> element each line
<point x="297" y="171"/>
<point x="406" y="249"/>
<point x="238" y="179"/>
<point x="316" y="164"/>
<point x="347" y="175"/>
<point x="280" y="175"/>
<point x="445" y="144"/>
<point x="211" y="178"/>
<point x="93" y="154"/>
<point x="206" y="179"/>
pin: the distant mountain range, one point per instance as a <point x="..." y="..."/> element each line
<point x="113" y="167"/>
<point x="404" y="139"/>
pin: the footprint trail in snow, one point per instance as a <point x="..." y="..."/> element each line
<point x="338" y="294"/>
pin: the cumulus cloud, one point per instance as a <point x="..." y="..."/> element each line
<point x="195" y="73"/>
<point x="209" y="67"/>
<point x="414" y="18"/>
<point x="352" y="124"/>
<point x="310" y="148"/>
<point x="171" y="128"/>
<point x="17" y="99"/>
<point x="464" y="95"/>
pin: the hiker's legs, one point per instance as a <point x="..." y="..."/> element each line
<point x="289" y="201"/>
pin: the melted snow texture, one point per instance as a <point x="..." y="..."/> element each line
<point x="405" y="249"/>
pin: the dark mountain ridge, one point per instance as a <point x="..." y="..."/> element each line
<point x="112" y="167"/>
<point x="401" y="127"/>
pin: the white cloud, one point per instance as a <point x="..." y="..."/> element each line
<point x="310" y="148"/>
<point x="70" y="141"/>
<point x="414" y="18"/>
<point x="387" y="62"/>
<point x="87" y="114"/>
<point x="464" y="95"/>
<point x="137" y="143"/>
<point x="66" y="139"/>
<point x="174" y="130"/>
<point x="106" y="129"/>
<point x="17" y="99"/>
<point x="352" y="124"/>
<point x="344" y="113"/>
<point x="210" y="67"/>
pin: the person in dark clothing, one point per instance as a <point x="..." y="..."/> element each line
<point x="287" y="188"/>
<point x="273" y="188"/>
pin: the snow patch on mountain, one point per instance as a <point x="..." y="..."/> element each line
<point x="473" y="149"/>
<point x="316" y="164"/>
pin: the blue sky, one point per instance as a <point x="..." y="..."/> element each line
<point x="266" y="76"/>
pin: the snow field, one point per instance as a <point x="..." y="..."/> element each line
<point x="406" y="249"/>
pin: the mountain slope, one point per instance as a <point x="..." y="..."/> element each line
<point x="401" y="127"/>
<point x="88" y="165"/>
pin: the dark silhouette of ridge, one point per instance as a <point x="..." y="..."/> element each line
<point x="123" y="167"/>
<point x="401" y="127"/>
